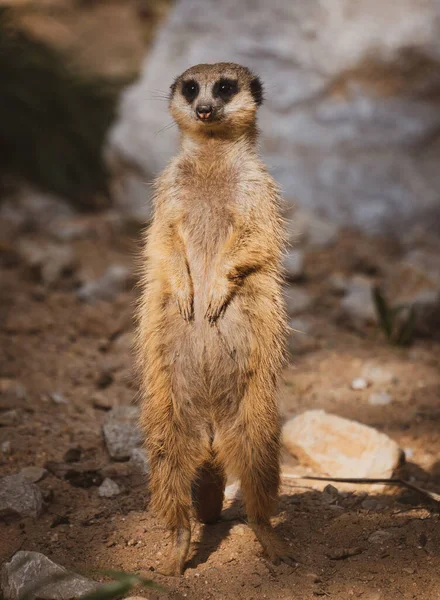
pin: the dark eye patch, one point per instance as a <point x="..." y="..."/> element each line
<point x="190" y="90"/>
<point x="225" y="89"/>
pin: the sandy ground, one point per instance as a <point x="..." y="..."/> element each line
<point x="50" y="342"/>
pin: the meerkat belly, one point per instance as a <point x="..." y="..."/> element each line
<point x="213" y="355"/>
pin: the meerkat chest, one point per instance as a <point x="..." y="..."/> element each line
<point x="209" y="208"/>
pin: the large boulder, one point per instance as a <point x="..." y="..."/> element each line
<point x="350" y="123"/>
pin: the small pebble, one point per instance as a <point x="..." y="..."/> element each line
<point x="33" y="474"/>
<point x="108" y="488"/>
<point x="58" y="398"/>
<point x="359" y="384"/>
<point x="379" y="399"/>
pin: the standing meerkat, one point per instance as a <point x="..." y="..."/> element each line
<point x="211" y="331"/>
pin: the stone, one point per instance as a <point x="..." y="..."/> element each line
<point x="31" y="210"/>
<point x="377" y="374"/>
<point x="36" y="576"/>
<point x="380" y="536"/>
<point x="58" y="398"/>
<point x="12" y="393"/>
<point x="297" y="299"/>
<point x="415" y="282"/>
<point x="379" y="399"/>
<point x="108" y="488"/>
<point x="115" y="280"/>
<point x="359" y="384"/>
<point x="139" y="461"/>
<point x="358" y="304"/>
<point x="340" y="447"/>
<point x="20" y="498"/>
<point x="6" y="448"/>
<point x="50" y="261"/>
<point x="33" y="474"/>
<point x="293" y="264"/>
<point x="350" y="117"/>
<point x="10" y="418"/>
<point x="121" y="432"/>
<point x="102" y="401"/>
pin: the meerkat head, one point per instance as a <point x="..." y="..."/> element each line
<point x="216" y="100"/>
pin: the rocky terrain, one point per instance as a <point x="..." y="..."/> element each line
<point x="74" y="490"/>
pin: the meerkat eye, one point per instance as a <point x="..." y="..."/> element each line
<point x="225" y="89"/>
<point x="190" y="90"/>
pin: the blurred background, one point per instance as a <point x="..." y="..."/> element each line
<point x="351" y="130"/>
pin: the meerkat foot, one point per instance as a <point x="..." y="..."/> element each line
<point x="274" y="547"/>
<point x="175" y="564"/>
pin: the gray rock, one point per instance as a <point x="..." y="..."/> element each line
<point x="36" y="576"/>
<point x="49" y="260"/>
<point x="358" y="304"/>
<point x="379" y="399"/>
<point x="58" y="398"/>
<point x="33" y="474"/>
<point x="340" y="447"/>
<point x="121" y="432"/>
<point x="115" y="280"/>
<point x="297" y="300"/>
<point x="31" y="210"/>
<point x="380" y="536"/>
<point x="19" y="497"/>
<point x="10" y="418"/>
<point x="294" y="264"/>
<point x="415" y="282"/>
<point x="349" y="121"/>
<point x="139" y="461"/>
<point x="108" y="488"/>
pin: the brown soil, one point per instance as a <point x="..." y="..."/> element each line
<point x="51" y="342"/>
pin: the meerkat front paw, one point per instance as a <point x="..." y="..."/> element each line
<point x="218" y="299"/>
<point x="184" y="301"/>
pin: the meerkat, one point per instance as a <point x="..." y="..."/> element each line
<point x="211" y="318"/>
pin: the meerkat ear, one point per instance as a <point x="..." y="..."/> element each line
<point x="173" y="87"/>
<point x="257" y="90"/>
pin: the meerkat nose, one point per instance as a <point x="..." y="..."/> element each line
<point x="204" y="111"/>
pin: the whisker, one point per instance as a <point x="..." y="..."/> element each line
<point x="172" y="124"/>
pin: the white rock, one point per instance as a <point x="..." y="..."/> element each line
<point x="379" y="399"/>
<point x="108" y="488"/>
<point x="36" y="576"/>
<point x="19" y="497"/>
<point x="121" y="432"/>
<point x="380" y="536"/>
<point x="359" y="384"/>
<point x="340" y="447"/>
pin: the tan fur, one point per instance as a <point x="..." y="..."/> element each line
<point x="211" y="320"/>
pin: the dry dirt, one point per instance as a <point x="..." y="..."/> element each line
<point x="53" y="343"/>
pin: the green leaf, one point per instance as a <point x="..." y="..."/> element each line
<point x="385" y="315"/>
